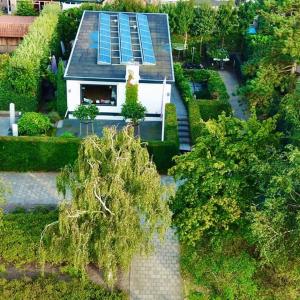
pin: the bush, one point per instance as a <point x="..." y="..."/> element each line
<point x="162" y="154"/>
<point x="182" y="83"/>
<point x="54" y="117"/>
<point x="25" y="8"/>
<point x="37" y="153"/>
<point x="211" y="109"/>
<point x="194" y="120"/>
<point x="67" y="134"/>
<point x="32" y="123"/>
<point x="171" y="124"/>
<point x="21" y="78"/>
<point x="52" y="288"/>
<point x="61" y="93"/>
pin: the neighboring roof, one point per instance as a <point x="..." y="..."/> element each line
<point x="14" y="26"/>
<point x="83" y="65"/>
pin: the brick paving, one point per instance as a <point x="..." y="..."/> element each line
<point x="156" y="277"/>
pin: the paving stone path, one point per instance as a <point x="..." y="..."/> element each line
<point x="240" y="109"/>
<point x="156" y="277"/>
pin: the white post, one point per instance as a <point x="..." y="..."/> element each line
<point x="12" y="114"/>
<point x="163" y="110"/>
<point x="15" y="129"/>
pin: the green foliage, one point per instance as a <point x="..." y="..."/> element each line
<point x="37" y="153"/>
<point x="25" y="8"/>
<point x="114" y="186"/>
<point x="218" y="175"/>
<point x="132" y="109"/>
<point x="32" y="123"/>
<point x="61" y="93"/>
<point x="22" y="75"/>
<point x="194" y="120"/>
<point x="52" y="288"/>
<point x="171" y="124"/>
<point x="68" y="134"/>
<point x="182" y="83"/>
<point x="86" y="112"/>
<point x="20" y="235"/>
<point x="211" y="109"/>
<point x="220" y="269"/>
<point x="53" y="116"/>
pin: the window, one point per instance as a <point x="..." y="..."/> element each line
<point x="104" y="95"/>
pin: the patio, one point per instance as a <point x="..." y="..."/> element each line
<point x="149" y="130"/>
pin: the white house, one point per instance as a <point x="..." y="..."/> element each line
<point x="108" y="47"/>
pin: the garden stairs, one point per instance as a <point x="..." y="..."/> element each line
<point x="184" y="134"/>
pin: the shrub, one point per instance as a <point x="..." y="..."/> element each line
<point x="32" y="123"/>
<point x="211" y="109"/>
<point x="25" y="8"/>
<point x="54" y="117"/>
<point x="61" y="93"/>
<point x="37" y="153"/>
<point x="55" y="289"/>
<point x="182" y="83"/>
<point x="171" y="124"/>
<point x="67" y="134"/>
<point x="194" y="120"/>
<point x="22" y="76"/>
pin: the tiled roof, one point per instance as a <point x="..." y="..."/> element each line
<point x="14" y="26"/>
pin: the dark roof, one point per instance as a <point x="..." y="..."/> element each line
<point x="14" y="26"/>
<point x="83" y="59"/>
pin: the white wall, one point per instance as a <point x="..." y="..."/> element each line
<point x="150" y="96"/>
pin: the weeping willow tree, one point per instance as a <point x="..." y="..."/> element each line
<point x="118" y="205"/>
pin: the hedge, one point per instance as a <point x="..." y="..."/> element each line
<point x="210" y="109"/>
<point x="182" y="83"/>
<point x="22" y="74"/>
<point x="171" y="124"/>
<point x="61" y="93"/>
<point x="194" y="120"/>
<point x="37" y="153"/>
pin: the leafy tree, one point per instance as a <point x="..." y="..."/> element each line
<point x="132" y="109"/>
<point x="118" y="204"/>
<point x="218" y="182"/>
<point x="203" y="24"/>
<point x="185" y="15"/>
<point x="25" y="8"/>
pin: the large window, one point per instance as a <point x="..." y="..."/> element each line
<point x="99" y="94"/>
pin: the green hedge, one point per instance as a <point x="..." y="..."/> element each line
<point x="182" y="83"/>
<point x="171" y="124"/>
<point x="211" y="109"/>
<point x="22" y="75"/>
<point x="54" y="288"/>
<point x="37" y="153"/>
<point x="61" y="93"/>
<point x="162" y="154"/>
<point x="194" y="120"/>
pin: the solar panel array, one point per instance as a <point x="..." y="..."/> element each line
<point x="126" y="54"/>
<point x="146" y="40"/>
<point x="104" y="49"/>
<point x="124" y="39"/>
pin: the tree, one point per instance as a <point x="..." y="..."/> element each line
<point x="25" y="8"/>
<point x="218" y="183"/>
<point x="86" y="113"/>
<point x="185" y="15"/>
<point x="132" y="109"/>
<point x="118" y="204"/>
<point x="203" y="24"/>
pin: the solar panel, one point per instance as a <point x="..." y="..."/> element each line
<point x="125" y="39"/>
<point x="146" y="40"/>
<point x="104" y="49"/>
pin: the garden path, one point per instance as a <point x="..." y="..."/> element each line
<point x="239" y="107"/>
<point x="156" y="277"/>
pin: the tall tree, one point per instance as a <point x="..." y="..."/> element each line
<point x="118" y="204"/>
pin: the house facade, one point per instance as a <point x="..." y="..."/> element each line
<point x="109" y="49"/>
